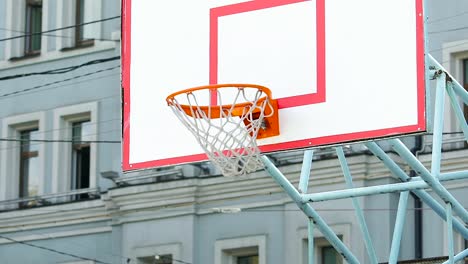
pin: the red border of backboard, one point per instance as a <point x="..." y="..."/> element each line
<point x="286" y="102"/>
<point x="126" y="64"/>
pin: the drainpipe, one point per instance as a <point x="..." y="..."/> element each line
<point x="418" y="221"/>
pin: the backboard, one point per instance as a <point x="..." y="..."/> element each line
<point x="341" y="70"/>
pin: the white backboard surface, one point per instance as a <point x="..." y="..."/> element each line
<point x="341" y="70"/>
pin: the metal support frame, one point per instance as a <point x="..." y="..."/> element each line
<point x="428" y="179"/>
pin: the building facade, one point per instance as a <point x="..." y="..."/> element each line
<point x="64" y="198"/>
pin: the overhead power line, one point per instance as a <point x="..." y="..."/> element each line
<point x="61" y="141"/>
<point x="54" y="36"/>
<point x="60" y="70"/>
<point x="59" y="81"/>
<point x="448" y="30"/>
<point x="62" y="28"/>
<point x="52" y="250"/>
<point x="448" y="17"/>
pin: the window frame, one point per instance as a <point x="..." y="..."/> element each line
<point x="343" y="231"/>
<point x="15" y="20"/>
<point x="25" y="155"/>
<point x="64" y="117"/>
<point x="147" y="251"/>
<point x="10" y="153"/>
<point x="69" y="11"/>
<point x="227" y="250"/>
<point x="30" y="7"/>
<point x="465" y="83"/>
<point x="80" y="40"/>
<point x="77" y="149"/>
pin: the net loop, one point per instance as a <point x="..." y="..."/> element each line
<point x="228" y="132"/>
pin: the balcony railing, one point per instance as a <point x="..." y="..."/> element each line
<point x="50" y="199"/>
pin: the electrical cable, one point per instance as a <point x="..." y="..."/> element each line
<point x="447" y="30"/>
<point x="446" y="18"/>
<point x="52" y="250"/>
<point x="62" y="28"/>
<point x="61" y="141"/>
<point x="60" y="86"/>
<point x="60" y="70"/>
<point x="55" y="36"/>
<point x="39" y="142"/>
<point x="86" y="247"/>
<point x="57" y="82"/>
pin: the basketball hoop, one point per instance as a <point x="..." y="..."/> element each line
<point x="228" y="132"/>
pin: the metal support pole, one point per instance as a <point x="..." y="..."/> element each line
<point x="311" y="241"/>
<point x="438" y="125"/>
<point x="364" y="191"/>
<point x="440" y="190"/>
<point x="457" y="87"/>
<point x="458" y="111"/>
<point x="399" y="224"/>
<point x="459" y="256"/>
<point x="450" y="233"/>
<point x="309" y="211"/>
<point x="305" y="171"/>
<point x="425" y="197"/>
<point x="357" y="207"/>
<point x="460" y="91"/>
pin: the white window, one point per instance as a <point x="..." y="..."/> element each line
<point x="25" y="18"/>
<point x="80" y="262"/>
<point x="75" y="162"/>
<point x="22" y="161"/>
<point x="324" y="253"/>
<point x="158" y="254"/>
<point x="77" y="12"/>
<point x="243" y="250"/>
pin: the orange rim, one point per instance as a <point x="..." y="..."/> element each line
<point x="215" y="112"/>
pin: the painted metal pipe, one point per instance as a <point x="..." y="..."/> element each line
<point x="305" y="171"/>
<point x="450" y="232"/>
<point x="309" y="211"/>
<point x="311" y="241"/>
<point x="449" y="176"/>
<point x="387" y="161"/>
<point x="423" y="195"/>
<point x="457" y="87"/>
<point x="458" y="111"/>
<point x="459" y="256"/>
<point x="364" y="191"/>
<point x="357" y="207"/>
<point x="398" y="230"/>
<point x="438" y="188"/>
<point x="438" y="125"/>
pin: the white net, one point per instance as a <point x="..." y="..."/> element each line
<point x="227" y="133"/>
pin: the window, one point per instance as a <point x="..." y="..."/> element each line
<point x="81" y="38"/>
<point x="330" y="256"/>
<point x="465" y="81"/>
<point x="33" y="26"/>
<point x="159" y="254"/>
<point x="243" y="250"/>
<point x="252" y="259"/>
<point x="75" y="165"/>
<point x="77" y="12"/>
<point x="28" y="18"/>
<point x="163" y="259"/>
<point x="22" y="164"/>
<point x="28" y="169"/>
<point x="324" y="253"/>
<point x="158" y="259"/>
<point x="80" y="155"/>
